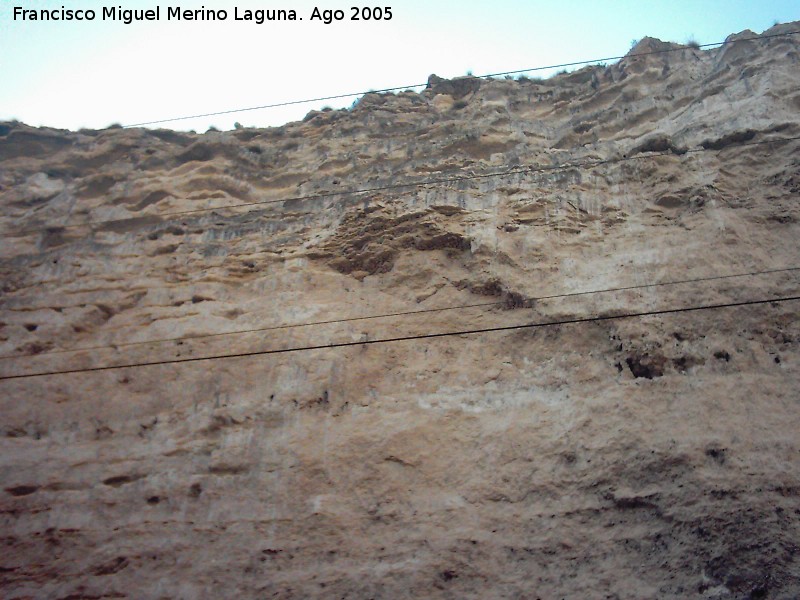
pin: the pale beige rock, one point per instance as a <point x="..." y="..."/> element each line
<point x="652" y="457"/>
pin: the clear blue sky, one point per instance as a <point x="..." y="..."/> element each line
<point x="92" y="74"/>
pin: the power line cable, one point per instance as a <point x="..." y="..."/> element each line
<point x="487" y="76"/>
<point x="398" y="314"/>
<point x="578" y="320"/>
<point x="513" y="171"/>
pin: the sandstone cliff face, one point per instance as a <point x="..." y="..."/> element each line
<point x="647" y="457"/>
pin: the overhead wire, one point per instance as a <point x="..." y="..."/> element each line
<point x="508" y="172"/>
<point x="486" y="76"/>
<point x="397" y="314"/>
<point x="426" y="336"/>
<point x="516" y="170"/>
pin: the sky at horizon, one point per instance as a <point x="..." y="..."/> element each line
<point x="73" y="74"/>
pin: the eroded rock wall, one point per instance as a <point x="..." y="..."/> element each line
<point x="643" y="457"/>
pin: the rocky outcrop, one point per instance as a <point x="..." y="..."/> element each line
<point x="627" y="457"/>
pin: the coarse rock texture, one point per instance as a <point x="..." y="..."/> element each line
<point x="623" y="458"/>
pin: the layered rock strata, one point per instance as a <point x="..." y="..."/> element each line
<point x="632" y="457"/>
